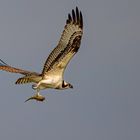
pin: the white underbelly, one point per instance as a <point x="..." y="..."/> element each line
<point x="50" y="82"/>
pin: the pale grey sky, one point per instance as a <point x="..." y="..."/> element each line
<point x="105" y="73"/>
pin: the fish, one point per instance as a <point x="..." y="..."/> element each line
<point x="36" y="97"/>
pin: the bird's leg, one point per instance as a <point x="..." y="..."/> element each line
<point x="37" y="97"/>
<point x="35" y="86"/>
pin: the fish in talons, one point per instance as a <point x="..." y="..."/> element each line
<point x="36" y="97"/>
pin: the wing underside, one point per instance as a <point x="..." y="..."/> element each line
<point x="5" y="67"/>
<point x="29" y="76"/>
<point x="29" y="79"/>
<point x="68" y="45"/>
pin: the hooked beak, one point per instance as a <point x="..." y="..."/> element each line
<point x="71" y="86"/>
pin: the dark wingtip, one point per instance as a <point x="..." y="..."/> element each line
<point x="2" y="63"/>
<point x="69" y="18"/>
<point x="77" y="14"/>
<point x="76" y="17"/>
<point x="81" y="20"/>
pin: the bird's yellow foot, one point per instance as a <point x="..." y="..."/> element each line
<point x="36" y="97"/>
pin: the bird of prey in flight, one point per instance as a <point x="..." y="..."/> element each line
<point x="57" y="61"/>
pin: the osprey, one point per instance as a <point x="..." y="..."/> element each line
<point x="55" y="65"/>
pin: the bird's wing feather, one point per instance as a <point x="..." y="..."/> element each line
<point x="5" y="67"/>
<point x="68" y="45"/>
<point x="29" y="79"/>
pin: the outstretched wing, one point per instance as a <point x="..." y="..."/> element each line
<point x="68" y="45"/>
<point x="28" y="78"/>
<point x="5" y="67"/>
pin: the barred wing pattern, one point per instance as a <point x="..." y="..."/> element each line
<point x="5" y="67"/>
<point x="32" y="77"/>
<point x="68" y="45"/>
<point x="29" y="76"/>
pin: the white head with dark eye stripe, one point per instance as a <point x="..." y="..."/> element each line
<point x="66" y="85"/>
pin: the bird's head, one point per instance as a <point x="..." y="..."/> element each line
<point x="66" y="85"/>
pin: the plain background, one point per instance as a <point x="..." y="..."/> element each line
<point x="105" y="73"/>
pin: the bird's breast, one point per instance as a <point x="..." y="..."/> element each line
<point x="50" y="82"/>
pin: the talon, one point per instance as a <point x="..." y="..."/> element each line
<point x="36" y="97"/>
